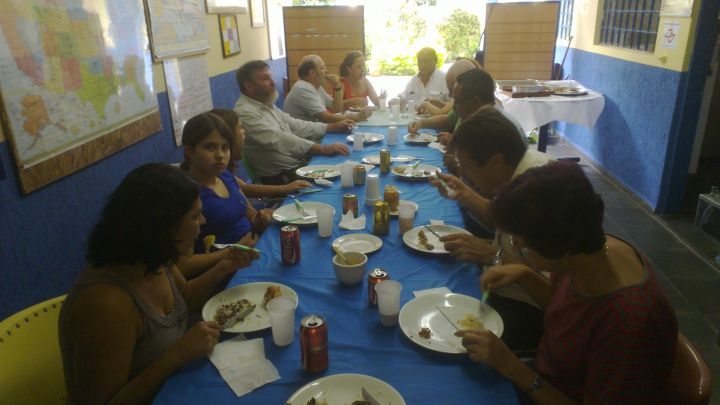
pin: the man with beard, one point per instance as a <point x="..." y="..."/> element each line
<point x="276" y="144"/>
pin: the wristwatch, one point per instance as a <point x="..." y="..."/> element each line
<point x="536" y="385"/>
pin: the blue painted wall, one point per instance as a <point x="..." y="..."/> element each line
<point x="43" y="237"/>
<point x="631" y="137"/>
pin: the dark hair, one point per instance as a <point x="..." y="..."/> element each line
<point x="477" y="83"/>
<point x="554" y="209"/>
<point x="200" y="127"/>
<point x="486" y="133"/>
<point x="141" y="217"/>
<point x="229" y="116"/>
<point x="348" y="61"/>
<point x="245" y="72"/>
<point x="305" y="67"/>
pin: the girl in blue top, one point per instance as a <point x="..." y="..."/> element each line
<point x="208" y="142"/>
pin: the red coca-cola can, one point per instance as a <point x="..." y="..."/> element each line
<point x="314" y="343"/>
<point x="350" y="203"/>
<point x="374" y="277"/>
<point x="290" y="244"/>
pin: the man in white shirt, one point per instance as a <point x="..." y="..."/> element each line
<point x="429" y="83"/>
<point x="276" y="144"/>
<point x="308" y="100"/>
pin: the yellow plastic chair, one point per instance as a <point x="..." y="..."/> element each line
<point x="31" y="370"/>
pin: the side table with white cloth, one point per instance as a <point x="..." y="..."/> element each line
<point x="539" y="112"/>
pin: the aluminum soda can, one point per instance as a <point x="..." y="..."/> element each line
<point x="374" y="277"/>
<point x="385" y="160"/>
<point x="381" y="218"/>
<point x="290" y="244"/>
<point x="350" y="203"/>
<point x="359" y="174"/>
<point x="314" y="343"/>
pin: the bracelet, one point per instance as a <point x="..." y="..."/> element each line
<point x="536" y="385"/>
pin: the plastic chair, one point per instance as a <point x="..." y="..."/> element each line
<point x="690" y="381"/>
<point x="32" y="371"/>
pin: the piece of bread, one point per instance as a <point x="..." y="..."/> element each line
<point x="273" y="291"/>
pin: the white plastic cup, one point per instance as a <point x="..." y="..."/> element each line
<point x="358" y="141"/>
<point x="346" y="174"/>
<point x="395" y="110"/>
<point x="372" y="187"/>
<point x="392" y="135"/>
<point x="383" y="103"/>
<point x="406" y="216"/>
<point x="411" y="106"/>
<point x="282" y="320"/>
<point x="388" y="298"/>
<point x="325" y="216"/>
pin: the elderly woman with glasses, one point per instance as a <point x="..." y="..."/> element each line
<point x="610" y="331"/>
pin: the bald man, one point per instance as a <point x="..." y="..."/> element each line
<point x="308" y="100"/>
<point x="438" y="107"/>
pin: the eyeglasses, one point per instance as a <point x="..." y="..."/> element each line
<point x="504" y="240"/>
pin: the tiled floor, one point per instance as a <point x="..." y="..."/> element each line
<point x="681" y="254"/>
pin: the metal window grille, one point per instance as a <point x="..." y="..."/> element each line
<point x="630" y="23"/>
<point x="565" y="23"/>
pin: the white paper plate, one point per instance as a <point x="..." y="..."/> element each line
<point x="421" y="172"/>
<point x="318" y="171"/>
<point x="410" y="238"/>
<point x="422" y="312"/>
<point x="396" y="213"/>
<point x="420" y="138"/>
<point x="288" y="212"/>
<point x="344" y="389"/>
<point x="257" y="320"/>
<point x="375" y="159"/>
<point x="368" y="137"/>
<point x="358" y="242"/>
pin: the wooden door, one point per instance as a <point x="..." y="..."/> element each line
<point x="328" y="31"/>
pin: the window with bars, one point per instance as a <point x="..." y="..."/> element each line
<point x="565" y="22"/>
<point x="630" y="23"/>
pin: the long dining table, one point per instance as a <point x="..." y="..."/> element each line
<point x="357" y="341"/>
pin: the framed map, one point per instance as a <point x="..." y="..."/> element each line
<point x="177" y="28"/>
<point x="74" y="88"/>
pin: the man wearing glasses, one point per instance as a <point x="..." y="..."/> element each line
<point x="308" y="100"/>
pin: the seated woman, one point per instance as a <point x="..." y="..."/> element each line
<point x="207" y="142"/>
<point x="123" y="324"/>
<point x="356" y="87"/>
<point x="610" y="331"/>
<point x="249" y="189"/>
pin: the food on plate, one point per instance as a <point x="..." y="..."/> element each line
<point x="208" y="241"/>
<point x="400" y="169"/>
<point x="423" y="241"/>
<point x="421" y="137"/>
<point x="314" y="401"/>
<point x="316" y="174"/>
<point x="227" y="315"/>
<point x="273" y="291"/>
<point x="425" y="333"/>
<point x="470" y="322"/>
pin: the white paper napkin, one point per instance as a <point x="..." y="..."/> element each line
<point x="437" y="222"/>
<point x="323" y="182"/>
<point x="242" y="364"/>
<point x="348" y="221"/>
<point x="438" y="146"/>
<point x="438" y="290"/>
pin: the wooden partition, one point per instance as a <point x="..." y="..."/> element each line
<point x="328" y="31"/>
<point x="520" y="40"/>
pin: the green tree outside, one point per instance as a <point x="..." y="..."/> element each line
<point x="460" y="34"/>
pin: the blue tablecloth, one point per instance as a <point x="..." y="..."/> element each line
<point x="358" y="343"/>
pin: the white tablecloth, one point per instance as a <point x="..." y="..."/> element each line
<point x="533" y="112"/>
<point x="384" y="118"/>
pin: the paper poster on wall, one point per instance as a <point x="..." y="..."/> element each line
<point x="670" y="35"/>
<point x="188" y="87"/>
<point x="177" y="28"/>
<point x="676" y="8"/>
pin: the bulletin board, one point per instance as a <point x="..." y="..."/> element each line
<point x="74" y="90"/>
<point x="520" y="40"/>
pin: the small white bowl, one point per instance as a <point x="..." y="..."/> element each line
<point x="350" y="274"/>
